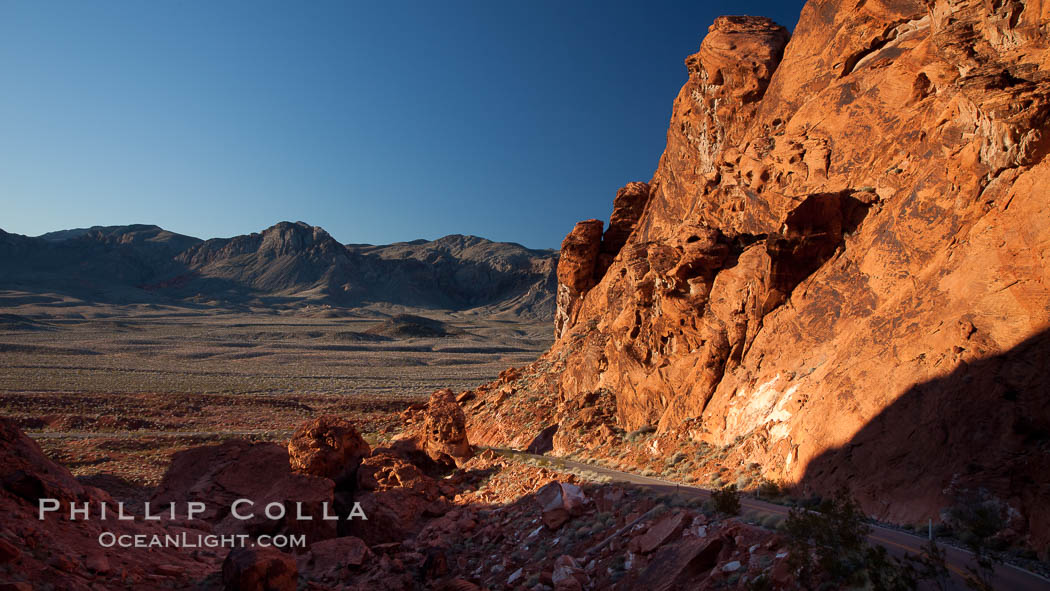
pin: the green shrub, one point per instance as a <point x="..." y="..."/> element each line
<point x="829" y="546"/>
<point x="641" y="432"/>
<point x="743" y="481"/>
<point x="976" y="517"/>
<point x="677" y="457"/>
<point x="769" y="489"/>
<point x="810" y="502"/>
<point x="727" y="500"/>
<point x="704" y="449"/>
<point x="831" y="543"/>
<point x="772" y="521"/>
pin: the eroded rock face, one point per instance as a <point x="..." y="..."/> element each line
<point x="396" y="496"/>
<point x="587" y="253"/>
<point x="627" y="210"/>
<point x="386" y="471"/>
<point x="579" y="256"/>
<point x="577" y="264"/>
<point x="840" y="244"/>
<point x="327" y="446"/>
<point x="445" y="429"/>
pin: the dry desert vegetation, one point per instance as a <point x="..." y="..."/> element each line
<point x="115" y="390"/>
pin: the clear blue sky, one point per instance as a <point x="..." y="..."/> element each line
<point x="380" y="121"/>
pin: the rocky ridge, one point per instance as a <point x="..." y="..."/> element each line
<point x="285" y="266"/>
<point x="838" y="278"/>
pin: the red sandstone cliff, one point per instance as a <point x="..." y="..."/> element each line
<point x="839" y="270"/>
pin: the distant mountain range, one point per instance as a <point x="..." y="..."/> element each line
<point x="286" y="265"/>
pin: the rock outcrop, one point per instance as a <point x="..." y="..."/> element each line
<point x="587" y="253"/>
<point x="560" y="501"/>
<point x="445" y="429"/>
<point x="395" y="495"/>
<point x="219" y="475"/>
<point x="576" y="271"/>
<point x="628" y="207"/>
<point x="58" y="552"/>
<point x="839" y="274"/>
<point x="327" y="446"/>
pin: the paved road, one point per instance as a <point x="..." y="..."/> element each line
<point x="898" y="543"/>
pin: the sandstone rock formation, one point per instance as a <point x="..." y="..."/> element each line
<point x="576" y="269"/>
<point x="628" y="207"/>
<point x="395" y="495"/>
<point x="327" y="446"/>
<point x="218" y="475"/>
<point x="587" y="253"/>
<point x="445" y="429"/>
<point x="559" y="501"/>
<point x="840" y="274"/>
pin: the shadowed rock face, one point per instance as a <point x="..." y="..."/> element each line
<point x="329" y="447"/>
<point x="219" y="475"/>
<point x="29" y="544"/>
<point x="833" y="221"/>
<point x="420" y="532"/>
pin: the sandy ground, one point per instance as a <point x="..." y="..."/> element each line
<point x="116" y="390"/>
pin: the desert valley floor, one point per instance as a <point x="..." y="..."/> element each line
<point x="118" y="389"/>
